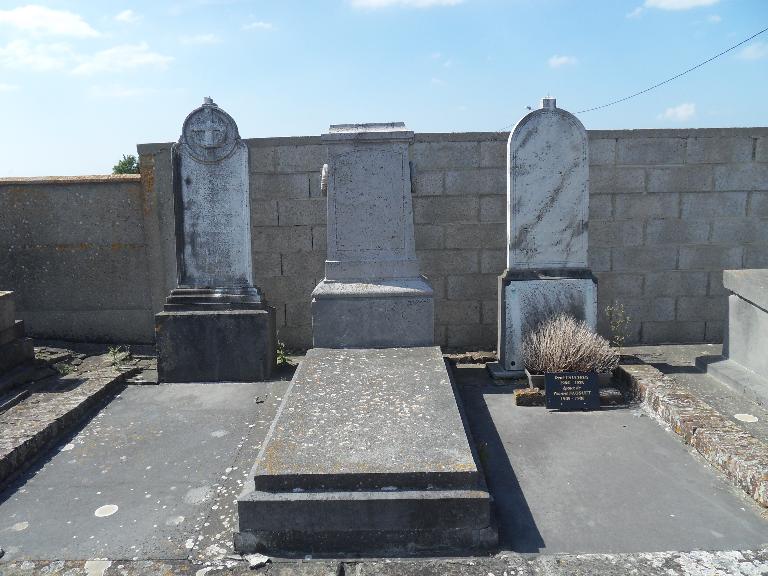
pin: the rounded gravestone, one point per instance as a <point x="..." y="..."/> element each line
<point x="548" y="190"/>
<point x="209" y="134"/>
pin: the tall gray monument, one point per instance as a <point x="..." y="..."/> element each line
<point x="216" y="325"/>
<point x="371" y="270"/>
<point x="547" y="218"/>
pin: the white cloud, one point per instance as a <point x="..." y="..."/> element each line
<point x="755" y="51"/>
<point x="714" y="19"/>
<point x="122" y="57"/>
<point x="672" y="5"/>
<point x="36" y="57"/>
<point x="258" y="25"/>
<point x="373" y="4"/>
<point x="200" y="39"/>
<point x="437" y="81"/>
<point x="557" y="61"/>
<point x="681" y="113"/>
<point x="41" y="20"/>
<point x="8" y="88"/>
<point x="679" y="4"/>
<point x="127" y="16"/>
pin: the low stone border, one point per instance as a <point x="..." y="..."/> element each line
<point x="733" y="563"/>
<point x="29" y="429"/>
<point x="737" y="454"/>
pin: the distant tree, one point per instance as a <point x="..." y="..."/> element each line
<point x="128" y="165"/>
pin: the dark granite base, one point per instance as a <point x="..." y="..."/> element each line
<point x="368" y="456"/>
<point x="16" y="352"/>
<point x="215" y="345"/>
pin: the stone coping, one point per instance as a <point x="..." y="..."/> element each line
<point x="742" y="458"/>
<point x="63" y="180"/>
<point x="751" y="285"/>
<point x="421" y="137"/>
<point x="733" y="562"/>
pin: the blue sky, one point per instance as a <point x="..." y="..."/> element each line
<point x="83" y="82"/>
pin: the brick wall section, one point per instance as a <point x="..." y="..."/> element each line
<point x="74" y="251"/>
<point x="669" y="210"/>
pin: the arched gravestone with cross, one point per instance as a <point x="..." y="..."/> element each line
<point x="547" y="231"/>
<point x="216" y="325"/>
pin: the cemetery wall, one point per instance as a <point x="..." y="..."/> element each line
<point x="73" y="250"/>
<point x="669" y="210"/>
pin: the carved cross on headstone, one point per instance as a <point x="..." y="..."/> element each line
<point x="211" y="133"/>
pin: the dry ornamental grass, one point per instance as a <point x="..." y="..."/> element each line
<point x="564" y="344"/>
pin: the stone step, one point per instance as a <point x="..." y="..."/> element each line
<point x="16" y="352"/>
<point x="10" y="400"/>
<point x="12" y="332"/>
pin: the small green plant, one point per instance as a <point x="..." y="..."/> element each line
<point x="64" y="368"/>
<point x="618" y="320"/>
<point x="282" y="355"/>
<point x="118" y="355"/>
<point x="128" y="165"/>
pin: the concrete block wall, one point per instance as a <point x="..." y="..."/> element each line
<point x="73" y="251"/>
<point x="669" y="210"/>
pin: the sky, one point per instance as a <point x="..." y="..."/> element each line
<point x="83" y="82"/>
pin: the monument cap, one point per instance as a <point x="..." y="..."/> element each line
<point x="549" y="102"/>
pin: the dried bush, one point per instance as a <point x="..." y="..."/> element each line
<point x="564" y="344"/>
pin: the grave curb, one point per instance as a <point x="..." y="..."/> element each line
<point x="742" y="458"/>
<point x="97" y="386"/>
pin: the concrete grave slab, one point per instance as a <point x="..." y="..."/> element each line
<point x="368" y="455"/>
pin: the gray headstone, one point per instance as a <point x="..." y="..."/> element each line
<point x="370" y="217"/>
<point x="214" y="233"/>
<point x="548" y="191"/>
<point x="371" y="271"/>
<point x="547" y="244"/>
<point x="215" y="326"/>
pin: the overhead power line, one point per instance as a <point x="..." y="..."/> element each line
<point x="675" y="77"/>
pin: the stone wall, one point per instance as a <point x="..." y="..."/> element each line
<point x="73" y="250"/>
<point x="669" y="210"/>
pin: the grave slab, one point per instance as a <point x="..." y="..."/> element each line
<point x="368" y="455"/>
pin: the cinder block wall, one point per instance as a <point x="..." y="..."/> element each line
<point x="73" y="250"/>
<point x="669" y="210"/>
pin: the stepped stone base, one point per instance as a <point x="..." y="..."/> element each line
<point x="215" y="345"/>
<point x="369" y="455"/>
<point x="375" y="314"/>
<point x="16" y="352"/>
